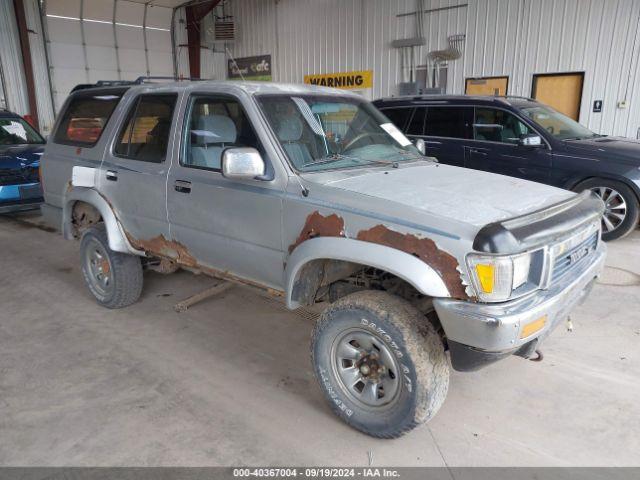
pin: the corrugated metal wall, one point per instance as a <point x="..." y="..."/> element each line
<point x="518" y="38"/>
<point x="37" y="43"/>
<point x="14" y="85"/>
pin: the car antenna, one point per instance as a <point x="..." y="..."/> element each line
<point x="305" y="190"/>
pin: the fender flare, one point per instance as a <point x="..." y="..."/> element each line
<point x="118" y="241"/>
<point x="414" y="271"/>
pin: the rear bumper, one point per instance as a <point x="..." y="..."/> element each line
<point x="15" y="198"/>
<point x="479" y="334"/>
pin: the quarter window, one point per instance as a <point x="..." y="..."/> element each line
<point x="85" y="118"/>
<point x="448" y="122"/>
<point x="495" y="125"/>
<point x="213" y="125"/>
<point x="146" y="132"/>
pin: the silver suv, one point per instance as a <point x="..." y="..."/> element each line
<point x="314" y="195"/>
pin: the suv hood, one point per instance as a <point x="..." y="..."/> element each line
<point x="462" y="194"/>
<point x="15" y="157"/>
<point x="626" y="150"/>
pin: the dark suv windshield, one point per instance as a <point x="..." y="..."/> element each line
<point x="16" y="131"/>
<point x="321" y="132"/>
<point x="557" y="124"/>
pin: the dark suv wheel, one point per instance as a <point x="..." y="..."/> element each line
<point x="380" y="363"/>
<point x="622" y="211"/>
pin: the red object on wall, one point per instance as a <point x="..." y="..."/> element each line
<point x="25" y="49"/>
<point x="195" y="13"/>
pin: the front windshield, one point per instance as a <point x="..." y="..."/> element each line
<point x="557" y="124"/>
<point x="15" y="131"/>
<point x="323" y="132"/>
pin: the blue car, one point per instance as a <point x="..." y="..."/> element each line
<point x="21" y="147"/>
<point x="522" y="138"/>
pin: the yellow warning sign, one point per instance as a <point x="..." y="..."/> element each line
<point x="347" y="80"/>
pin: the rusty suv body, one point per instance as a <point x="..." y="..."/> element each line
<point x="313" y="226"/>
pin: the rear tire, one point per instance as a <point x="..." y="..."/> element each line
<point x="114" y="278"/>
<point x="380" y="363"/>
<point x="622" y="209"/>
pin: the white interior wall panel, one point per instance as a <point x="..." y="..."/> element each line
<point x="14" y="85"/>
<point x="91" y="40"/>
<point x="517" y="38"/>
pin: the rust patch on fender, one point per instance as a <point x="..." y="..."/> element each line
<point x="423" y="248"/>
<point x="317" y="225"/>
<point x="166" y="248"/>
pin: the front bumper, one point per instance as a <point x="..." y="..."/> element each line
<point x="15" y="198"/>
<point x="480" y="333"/>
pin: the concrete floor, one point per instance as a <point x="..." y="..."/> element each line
<point x="230" y="381"/>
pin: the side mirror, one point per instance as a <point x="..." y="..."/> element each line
<point x="421" y="146"/>
<point x="242" y="163"/>
<point x="530" y="140"/>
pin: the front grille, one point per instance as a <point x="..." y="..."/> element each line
<point x="574" y="257"/>
<point x="18" y="177"/>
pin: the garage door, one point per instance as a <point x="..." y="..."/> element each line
<point x="562" y="91"/>
<point x="486" y="86"/>
<point x="91" y="40"/>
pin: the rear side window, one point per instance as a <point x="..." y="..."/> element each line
<point x="398" y="116"/>
<point x="450" y="122"/>
<point x="85" y="118"/>
<point x="416" y="125"/>
<point x="145" y="134"/>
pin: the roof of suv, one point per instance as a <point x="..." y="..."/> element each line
<point x="249" y="87"/>
<point x="455" y="100"/>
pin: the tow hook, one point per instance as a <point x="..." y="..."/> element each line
<point x="539" y="357"/>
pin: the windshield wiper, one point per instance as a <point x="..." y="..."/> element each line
<point x="334" y="157"/>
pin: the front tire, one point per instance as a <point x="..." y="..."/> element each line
<point x="622" y="211"/>
<point x="380" y="363"/>
<point x="114" y="278"/>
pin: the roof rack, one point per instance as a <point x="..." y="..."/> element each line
<point x="129" y="83"/>
<point x="517" y="96"/>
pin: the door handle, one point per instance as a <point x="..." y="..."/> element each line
<point x="112" y="175"/>
<point x="182" y="186"/>
<point x="479" y="152"/>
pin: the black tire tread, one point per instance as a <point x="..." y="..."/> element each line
<point x="421" y="341"/>
<point x="633" y="205"/>
<point x="127" y="272"/>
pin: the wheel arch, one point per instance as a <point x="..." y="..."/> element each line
<point x="118" y="241"/>
<point x="574" y="182"/>
<point x="305" y="269"/>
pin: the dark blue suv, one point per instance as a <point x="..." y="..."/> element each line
<point x="522" y="138"/>
<point x="20" y="150"/>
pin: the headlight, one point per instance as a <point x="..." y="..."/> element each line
<point x="497" y="278"/>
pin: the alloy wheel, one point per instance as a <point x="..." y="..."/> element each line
<point x="615" y="208"/>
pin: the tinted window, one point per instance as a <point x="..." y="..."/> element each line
<point x="213" y="125"/>
<point x="416" y="125"/>
<point x="85" y="118"/>
<point x="498" y="126"/>
<point x="15" y="131"/>
<point x="398" y="116"/>
<point x="451" y="122"/>
<point x="146" y="132"/>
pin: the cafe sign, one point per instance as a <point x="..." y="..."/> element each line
<point x="250" y="68"/>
